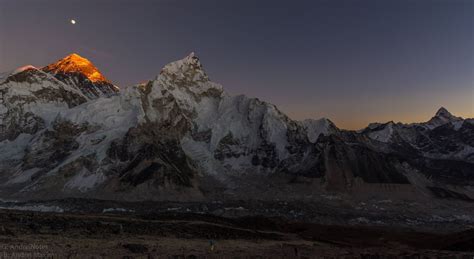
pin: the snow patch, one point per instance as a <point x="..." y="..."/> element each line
<point x="21" y="69"/>
<point x="85" y="181"/>
<point x="116" y="210"/>
<point x="39" y="208"/>
<point x="15" y="149"/>
<point x="315" y="128"/>
<point x="382" y="135"/>
<point x="23" y="176"/>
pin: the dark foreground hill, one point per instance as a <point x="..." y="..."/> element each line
<point x="177" y="235"/>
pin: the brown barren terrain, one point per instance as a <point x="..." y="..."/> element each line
<point x="181" y="235"/>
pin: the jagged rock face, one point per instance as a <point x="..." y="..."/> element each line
<point x="346" y="162"/>
<point x="162" y="139"/>
<point x="29" y="99"/>
<point x="51" y="147"/>
<point x="148" y="154"/>
<point x="316" y="128"/>
<point x="80" y="73"/>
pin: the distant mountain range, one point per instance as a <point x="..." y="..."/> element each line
<point x="66" y="131"/>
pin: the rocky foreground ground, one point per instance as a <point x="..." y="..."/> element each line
<point x="26" y="234"/>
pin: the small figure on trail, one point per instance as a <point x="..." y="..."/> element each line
<point x="212" y="245"/>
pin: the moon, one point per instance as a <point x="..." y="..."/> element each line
<point x="73" y="21"/>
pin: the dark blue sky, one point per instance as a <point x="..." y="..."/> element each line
<point x="352" y="61"/>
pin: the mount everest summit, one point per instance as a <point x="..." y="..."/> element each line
<point x="67" y="131"/>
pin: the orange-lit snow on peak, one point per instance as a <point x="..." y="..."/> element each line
<point x="77" y="64"/>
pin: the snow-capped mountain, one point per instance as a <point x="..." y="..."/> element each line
<point x="180" y="136"/>
<point x="444" y="136"/>
<point x="80" y="73"/>
<point x="30" y="99"/>
<point x="443" y="117"/>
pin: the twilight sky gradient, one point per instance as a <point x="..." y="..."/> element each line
<point x="352" y="61"/>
